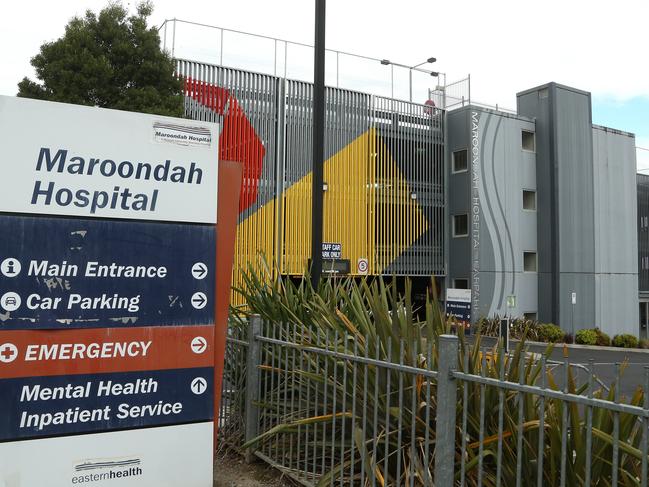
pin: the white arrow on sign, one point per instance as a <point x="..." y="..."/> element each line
<point x="199" y="300"/>
<point x="199" y="270"/>
<point x="199" y="345"/>
<point x="199" y="386"/>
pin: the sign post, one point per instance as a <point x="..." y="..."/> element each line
<point x="504" y="333"/>
<point x="573" y="302"/>
<point x="107" y="282"/>
<point x="505" y="323"/>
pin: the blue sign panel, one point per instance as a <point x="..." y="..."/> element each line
<point x="61" y="405"/>
<point x="83" y="273"/>
<point x="459" y="309"/>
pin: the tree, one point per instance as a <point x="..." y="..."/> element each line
<point x="111" y="61"/>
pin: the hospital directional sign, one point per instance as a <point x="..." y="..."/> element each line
<point x="59" y="405"/>
<point x="80" y="273"/>
<point x="458" y="304"/>
<point x="107" y="297"/>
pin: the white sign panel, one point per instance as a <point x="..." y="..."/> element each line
<point x="61" y="159"/>
<point x="458" y="295"/>
<point x="169" y="456"/>
<point x="362" y="266"/>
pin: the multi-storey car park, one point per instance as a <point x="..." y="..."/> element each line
<point x="534" y="210"/>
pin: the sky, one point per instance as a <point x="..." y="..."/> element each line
<point x="506" y="46"/>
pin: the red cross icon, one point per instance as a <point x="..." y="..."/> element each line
<point x="8" y="352"/>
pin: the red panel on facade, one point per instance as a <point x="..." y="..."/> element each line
<point x="238" y="141"/>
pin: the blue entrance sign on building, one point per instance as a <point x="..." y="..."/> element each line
<point x="458" y="304"/>
<point x="83" y="273"/>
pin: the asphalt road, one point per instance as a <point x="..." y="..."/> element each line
<point x="603" y="364"/>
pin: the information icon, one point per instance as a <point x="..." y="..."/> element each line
<point x="10" y="267"/>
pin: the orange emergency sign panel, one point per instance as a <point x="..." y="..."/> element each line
<point x="104" y="350"/>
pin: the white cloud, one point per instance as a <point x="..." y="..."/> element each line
<point x="507" y="45"/>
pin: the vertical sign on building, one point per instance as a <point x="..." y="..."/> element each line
<point x="475" y="212"/>
<point x="107" y="282"/>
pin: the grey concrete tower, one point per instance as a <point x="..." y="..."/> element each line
<point x="585" y="278"/>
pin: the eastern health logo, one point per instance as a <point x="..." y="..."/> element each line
<point x="97" y="470"/>
<point x="182" y="134"/>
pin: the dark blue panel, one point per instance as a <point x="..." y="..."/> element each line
<point x="54" y="256"/>
<point x="461" y="310"/>
<point x="45" y="406"/>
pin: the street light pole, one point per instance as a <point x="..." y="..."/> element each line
<point x="318" y="142"/>
<point x="386" y="62"/>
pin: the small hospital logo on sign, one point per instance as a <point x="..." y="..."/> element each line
<point x="362" y="266"/>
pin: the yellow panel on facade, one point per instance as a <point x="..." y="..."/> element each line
<point x="368" y="209"/>
<point x="345" y="204"/>
<point x="398" y="219"/>
<point x="255" y="236"/>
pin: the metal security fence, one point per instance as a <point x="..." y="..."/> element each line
<point x="327" y="410"/>
<point x="452" y="95"/>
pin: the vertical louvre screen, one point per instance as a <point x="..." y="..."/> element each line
<point x="384" y="171"/>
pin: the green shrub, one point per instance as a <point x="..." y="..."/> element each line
<point x="586" y="337"/>
<point x="603" y="340"/>
<point x="372" y="317"/>
<point x="551" y="333"/>
<point x="518" y="328"/>
<point x="625" y="340"/>
<point x="644" y="343"/>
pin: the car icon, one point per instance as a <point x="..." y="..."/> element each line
<point x="10" y="301"/>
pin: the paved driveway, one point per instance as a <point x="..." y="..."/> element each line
<point x="603" y="363"/>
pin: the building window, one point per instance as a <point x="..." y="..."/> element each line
<point x="460" y="161"/>
<point x="529" y="199"/>
<point x="460" y="283"/>
<point x="527" y="141"/>
<point x="529" y="316"/>
<point x="529" y="261"/>
<point x="461" y="225"/>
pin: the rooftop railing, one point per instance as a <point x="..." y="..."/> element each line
<point x="294" y="60"/>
